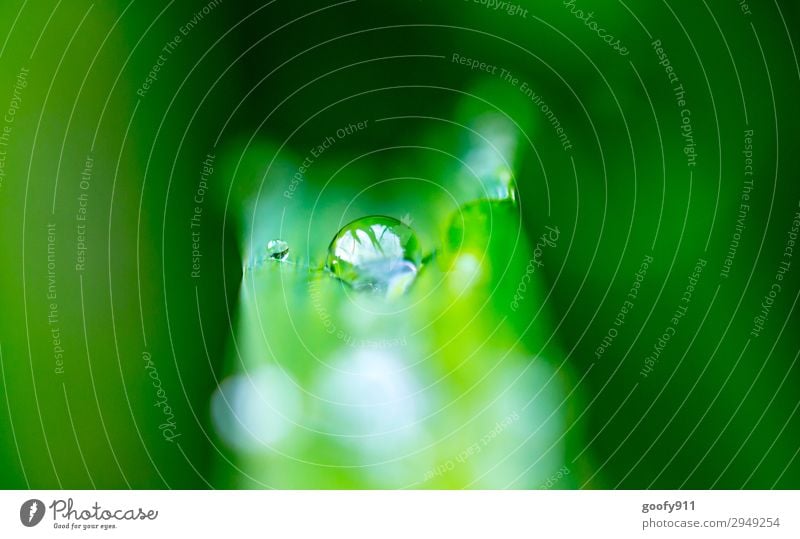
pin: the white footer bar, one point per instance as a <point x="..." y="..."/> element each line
<point x="406" y="514"/>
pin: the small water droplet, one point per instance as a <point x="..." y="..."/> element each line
<point x="491" y="159"/>
<point x="376" y="253"/>
<point x="277" y="249"/>
<point x="501" y="186"/>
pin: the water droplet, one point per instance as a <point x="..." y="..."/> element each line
<point x="376" y="253"/>
<point x="491" y="160"/>
<point x="501" y="186"/>
<point x="277" y="249"/>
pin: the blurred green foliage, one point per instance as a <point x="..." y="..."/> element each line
<point x="466" y="381"/>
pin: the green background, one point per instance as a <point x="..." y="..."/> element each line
<point x="260" y="85"/>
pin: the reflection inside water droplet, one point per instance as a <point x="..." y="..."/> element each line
<point x="376" y="253"/>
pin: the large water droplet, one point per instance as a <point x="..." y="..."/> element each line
<point x="277" y="249"/>
<point x="376" y="253"/>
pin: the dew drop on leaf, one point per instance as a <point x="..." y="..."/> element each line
<point x="376" y="253"/>
<point x="277" y="249"/>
